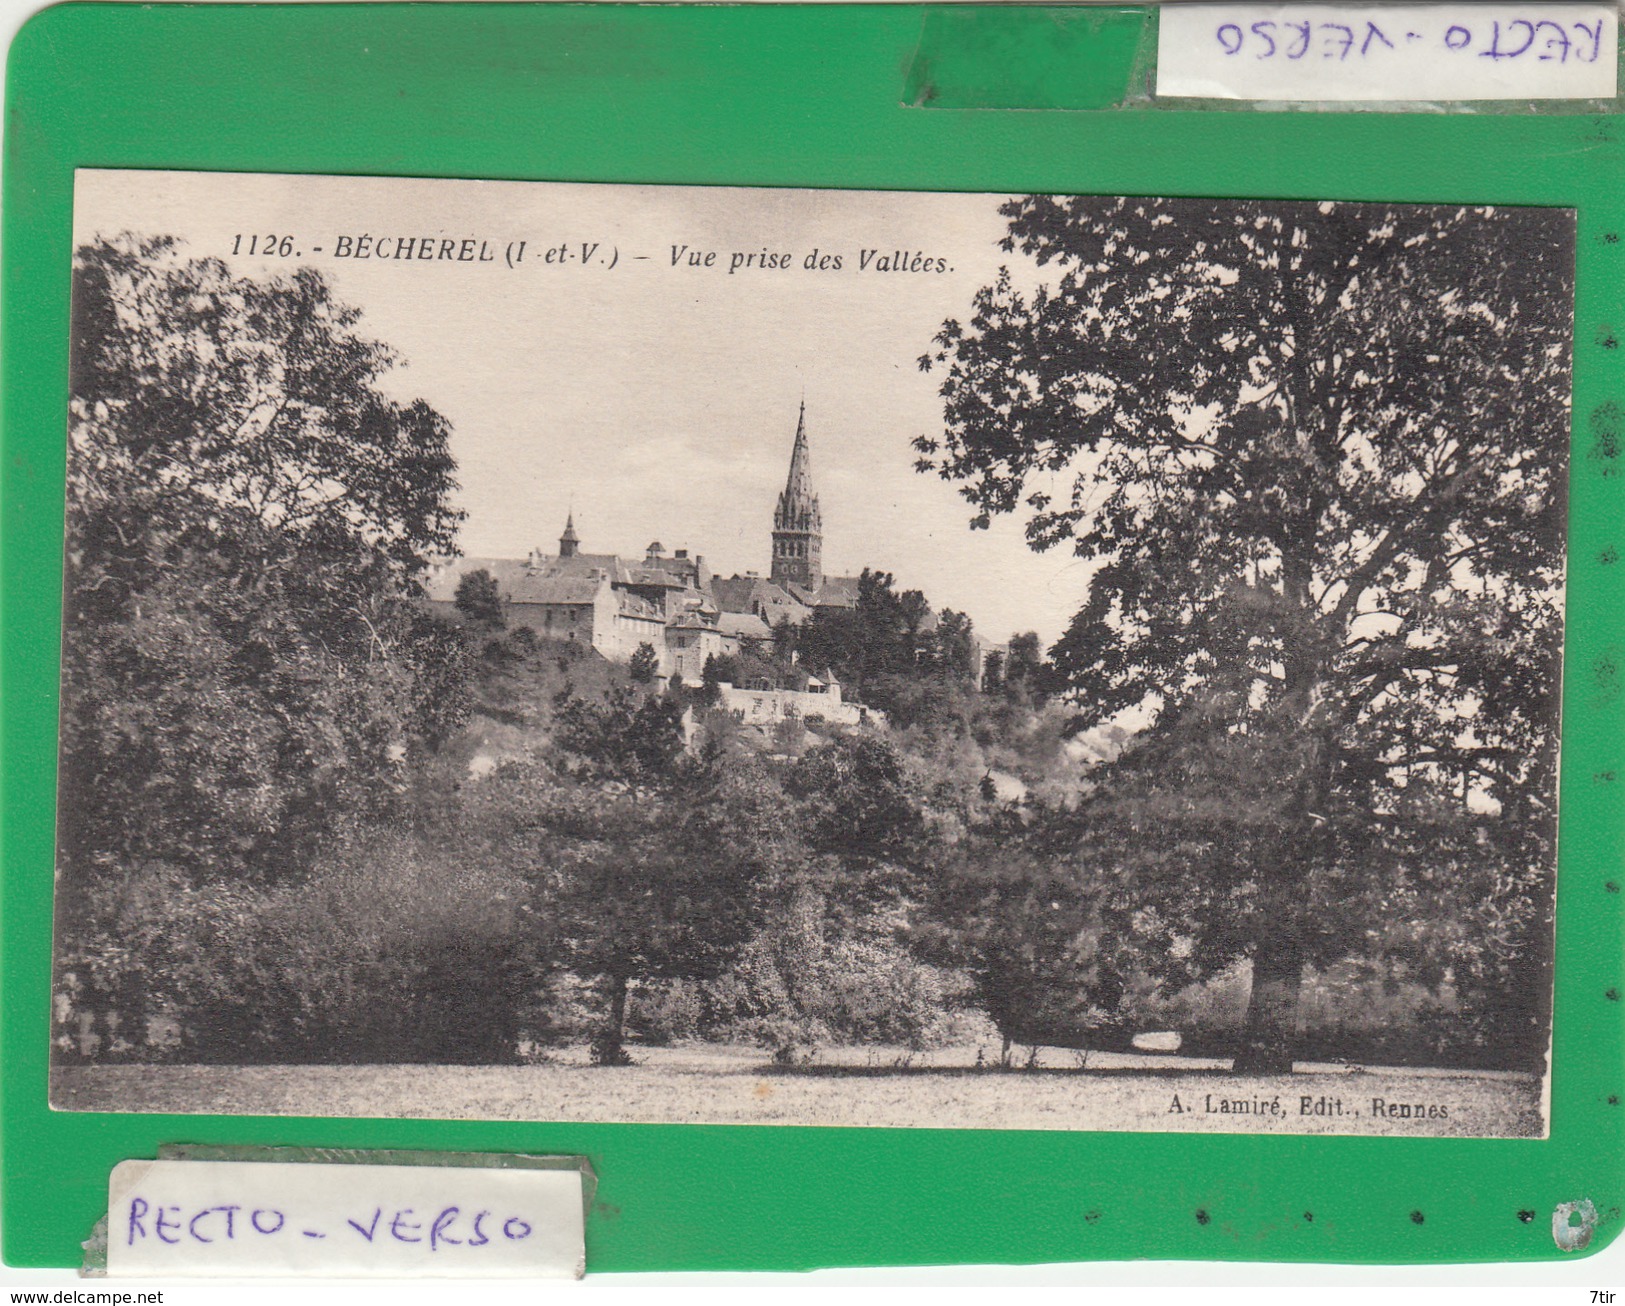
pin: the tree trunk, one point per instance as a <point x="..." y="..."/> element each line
<point x="1110" y="988"/>
<point x="1271" y="1024"/>
<point x="609" y="1050"/>
<point x="1270" y="1028"/>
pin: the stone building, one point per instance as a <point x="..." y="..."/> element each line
<point x="691" y="641"/>
<point x="820" y="701"/>
<point x="672" y="602"/>
<point x="579" y="605"/>
<point x="750" y="595"/>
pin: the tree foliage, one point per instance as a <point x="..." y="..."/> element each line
<point x="247" y="513"/>
<point x="1042" y="928"/>
<point x="1316" y="454"/>
<point x="889" y="650"/>
<point x="645" y="664"/>
<point x="648" y="863"/>
<point x="623" y="737"/>
<point x="479" y="599"/>
<point x="1024" y="670"/>
<point x="194" y="389"/>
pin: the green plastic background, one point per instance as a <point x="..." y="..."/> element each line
<point x="804" y="96"/>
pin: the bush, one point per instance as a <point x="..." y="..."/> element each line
<point x="390" y="950"/>
<point x="794" y="996"/>
<point x="872" y="991"/>
<point x="789" y="735"/>
<point x="564" y="1009"/>
<point x="136" y="950"/>
<point x="660" y="1012"/>
<point x="751" y="1002"/>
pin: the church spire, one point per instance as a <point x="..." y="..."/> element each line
<point x="798" y="541"/>
<point x="798" y="485"/>
<point x="569" y="541"/>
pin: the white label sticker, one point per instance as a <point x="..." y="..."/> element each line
<point x="196" y="1218"/>
<point x="1328" y="52"/>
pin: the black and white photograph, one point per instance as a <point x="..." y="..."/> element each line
<point x="672" y="654"/>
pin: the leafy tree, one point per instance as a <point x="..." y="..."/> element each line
<point x="861" y="822"/>
<point x="856" y="799"/>
<point x="955" y="645"/>
<point x="644" y="665"/>
<point x="623" y="737"/>
<point x="1316" y="454"/>
<point x="831" y="959"/>
<point x="720" y="669"/>
<point x="645" y="876"/>
<point x="860" y="642"/>
<point x="753" y="671"/>
<point x="786" y="641"/>
<point x="993" y="673"/>
<point x="195" y="389"/>
<point x="438" y="662"/>
<point x="914" y="611"/>
<point x="1039" y="925"/>
<point x="1024" y="670"/>
<point x="479" y="600"/>
<point x="247" y="516"/>
<point x="880" y="648"/>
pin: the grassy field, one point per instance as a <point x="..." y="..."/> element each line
<point x="732" y="1085"/>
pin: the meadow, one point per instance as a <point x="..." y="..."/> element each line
<point x="888" y="1087"/>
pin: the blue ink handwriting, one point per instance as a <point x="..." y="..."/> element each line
<point x="174" y="1225"/>
<point x="1533" y="39"/>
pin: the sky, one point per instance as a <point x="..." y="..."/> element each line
<point x="655" y="399"/>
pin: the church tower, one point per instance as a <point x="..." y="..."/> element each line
<point x="569" y="542"/>
<point x="798" y="539"/>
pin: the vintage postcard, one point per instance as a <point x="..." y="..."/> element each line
<point x="656" y="653"/>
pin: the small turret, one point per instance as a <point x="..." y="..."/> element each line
<point x="569" y="542"/>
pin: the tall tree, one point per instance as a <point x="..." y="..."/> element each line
<point x="955" y="652"/>
<point x="720" y="669"/>
<point x="194" y="389"/>
<point x="247" y="514"/>
<point x="993" y="672"/>
<point x="876" y="637"/>
<point x="1024" y="909"/>
<point x="645" y="664"/>
<point x="1316" y="453"/>
<point x="1024" y="664"/>
<point x="857" y="807"/>
<point x="647" y="864"/>
<point x="479" y="599"/>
